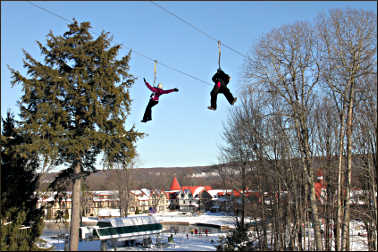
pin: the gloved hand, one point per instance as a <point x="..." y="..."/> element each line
<point x="175" y="89"/>
<point x="144" y="80"/>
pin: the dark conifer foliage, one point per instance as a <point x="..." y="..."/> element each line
<point x="76" y="102"/>
<point x="19" y="181"/>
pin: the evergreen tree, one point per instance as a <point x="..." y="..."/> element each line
<point x="75" y="104"/>
<point x="20" y="221"/>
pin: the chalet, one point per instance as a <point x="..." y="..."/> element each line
<point x="103" y="204"/>
<point x="188" y="198"/>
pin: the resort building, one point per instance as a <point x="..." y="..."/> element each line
<point x="189" y="198"/>
<point x="103" y="204"/>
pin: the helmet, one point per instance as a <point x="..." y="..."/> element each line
<point x="160" y="85"/>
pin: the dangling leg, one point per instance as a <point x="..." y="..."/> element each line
<point x="213" y="100"/>
<point x="226" y="91"/>
<point x="153" y="103"/>
<point x="147" y="114"/>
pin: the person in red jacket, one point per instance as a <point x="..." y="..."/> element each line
<point x="220" y="80"/>
<point x="157" y="91"/>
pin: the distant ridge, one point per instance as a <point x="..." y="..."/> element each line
<point x="153" y="177"/>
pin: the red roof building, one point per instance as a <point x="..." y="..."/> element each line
<point x="175" y="185"/>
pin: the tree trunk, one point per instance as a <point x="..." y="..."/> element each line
<point x="373" y="197"/>
<point x="374" y="192"/>
<point x="301" y="206"/>
<point x="349" y="132"/>
<point x="315" y="217"/>
<point x="75" y="210"/>
<point x="340" y="182"/>
<point x="309" y="180"/>
<point x="243" y="196"/>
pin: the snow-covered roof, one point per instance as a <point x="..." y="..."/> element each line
<point x="172" y="191"/>
<point x="104" y="192"/>
<point x="215" y="192"/>
<point x="108" y="212"/>
<point x="136" y="192"/>
<point x="101" y="199"/>
<point x="127" y="227"/>
<point x="131" y="221"/>
<point x="146" y="191"/>
<point x="198" y="190"/>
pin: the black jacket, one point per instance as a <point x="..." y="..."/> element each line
<point x="221" y="76"/>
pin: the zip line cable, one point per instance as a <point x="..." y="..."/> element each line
<point x="171" y="68"/>
<point x="197" y="29"/>
<point x="149" y="58"/>
<point x="52" y="13"/>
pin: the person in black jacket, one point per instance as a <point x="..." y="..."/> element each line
<point x="220" y="79"/>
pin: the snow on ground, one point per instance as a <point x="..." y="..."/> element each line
<point x="83" y="245"/>
<point x="181" y="243"/>
<point x="195" y="242"/>
<point x="89" y="219"/>
<point x="208" y="218"/>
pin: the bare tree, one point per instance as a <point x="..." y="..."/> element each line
<point x="285" y="64"/>
<point x="255" y="142"/>
<point x="326" y="137"/>
<point x="348" y="40"/>
<point x="365" y="141"/>
<point x="87" y="202"/>
<point x="157" y="197"/>
<point x="122" y="179"/>
<point x="237" y="156"/>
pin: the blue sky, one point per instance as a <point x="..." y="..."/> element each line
<point x="183" y="131"/>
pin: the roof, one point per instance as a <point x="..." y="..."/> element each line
<point x="146" y="191"/>
<point x="175" y="185"/>
<point x="218" y="192"/>
<point x="108" y="212"/>
<point x="195" y="190"/>
<point x="130" y="220"/>
<point x="173" y="191"/>
<point x="127" y="227"/>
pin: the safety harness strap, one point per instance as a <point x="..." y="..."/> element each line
<point x="219" y="55"/>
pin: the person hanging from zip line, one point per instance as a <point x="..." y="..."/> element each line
<point x="154" y="98"/>
<point x="220" y="79"/>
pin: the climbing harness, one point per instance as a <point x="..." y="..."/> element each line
<point x="154" y="85"/>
